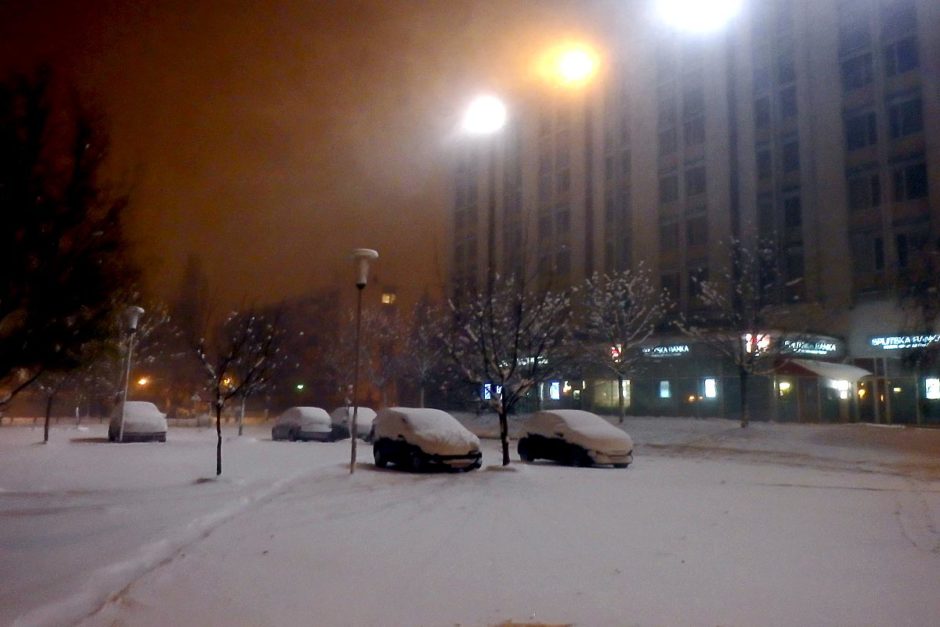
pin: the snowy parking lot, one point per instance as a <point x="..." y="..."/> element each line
<point x="773" y="525"/>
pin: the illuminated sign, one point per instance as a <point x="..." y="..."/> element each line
<point x="901" y="342"/>
<point x="810" y="347"/>
<point x="666" y="350"/>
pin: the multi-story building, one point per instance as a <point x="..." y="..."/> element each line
<point x="809" y="126"/>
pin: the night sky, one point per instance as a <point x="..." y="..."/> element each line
<point x="271" y="138"/>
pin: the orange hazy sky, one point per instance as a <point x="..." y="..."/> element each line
<point x="271" y="138"/>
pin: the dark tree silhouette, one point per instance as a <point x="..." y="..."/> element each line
<point x="62" y="249"/>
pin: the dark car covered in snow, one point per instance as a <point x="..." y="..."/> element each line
<point x="576" y="438"/>
<point x="423" y="439"/>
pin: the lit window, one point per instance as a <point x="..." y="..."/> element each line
<point x="932" y="386"/>
<point x="711" y="388"/>
<point x="554" y="390"/>
<point x="664" y="390"/>
<point x="388" y="298"/>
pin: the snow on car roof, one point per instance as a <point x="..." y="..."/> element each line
<point x="578" y="426"/>
<point x="296" y="413"/>
<point x="438" y="431"/>
<point x="138" y="409"/>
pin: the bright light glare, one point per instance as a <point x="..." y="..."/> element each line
<point x="698" y="15"/>
<point x="568" y="64"/>
<point x="576" y="65"/>
<point x="484" y="116"/>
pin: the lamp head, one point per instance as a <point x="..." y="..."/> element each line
<point x="362" y="257"/>
<point x="132" y="317"/>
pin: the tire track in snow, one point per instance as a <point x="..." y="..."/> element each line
<point x="915" y="519"/>
<point x="100" y="584"/>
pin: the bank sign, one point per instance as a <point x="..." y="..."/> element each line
<point x="903" y="342"/>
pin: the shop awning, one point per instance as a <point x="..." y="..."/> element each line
<point x="824" y="369"/>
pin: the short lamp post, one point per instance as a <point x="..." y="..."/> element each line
<point x="362" y="257"/>
<point x="131" y="318"/>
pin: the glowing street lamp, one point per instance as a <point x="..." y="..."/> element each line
<point x="569" y="65"/>
<point x="485" y="115"/>
<point x="700" y="16"/>
<point x="362" y="257"/>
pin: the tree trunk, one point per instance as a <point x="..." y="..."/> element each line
<point x="241" y="416"/>
<point x="743" y="376"/>
<point x="45" y="429"/>
<point x="421" y="396"/>
<point x="504" y="435"/>
<point x="620" y="399"/>
<point x="218" y="431"/>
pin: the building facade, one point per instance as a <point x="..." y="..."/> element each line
<point x="810" y="128"/>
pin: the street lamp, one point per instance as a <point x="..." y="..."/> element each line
<point x="362" y="257"/>
<point x="131" y="318"/>
<point x="486" y="115"/>
<point x="698" y="15"/>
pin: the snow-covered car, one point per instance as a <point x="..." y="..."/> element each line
<point x="423" y="439"/>
<point x="143" y="422"/>
<point x="303" y="423"/>
<point x="341" y="417"/>
<point x="575" y="437"/>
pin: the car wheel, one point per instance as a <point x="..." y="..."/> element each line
<point x="525" y="450"/>
<point x="579" y="457"/>
<point x="378" y="452"/>
<point x="292" y="435"/>
<point x="416" y="462"/>
<point x="620" y="465"/>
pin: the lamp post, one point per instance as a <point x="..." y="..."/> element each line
<point x="486" y="115"/>
<point x="131" y="318"/>
<point x="362" y="257"/>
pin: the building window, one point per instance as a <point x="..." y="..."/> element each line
<point x="388" y="298"/>
<point x="854" y="31"/>
<point x="695" y="181"/>
<point x="910" y="181"/>
<point x="857" y="72"/>
<point x="792" y="212"/>
<point x="693" y="101"/>
<point x="901" y="56"/>
<point x="670" y="285"/>
<point x="694" y="131"/>
<point x="764" y="164"/>
<point x="563" y="261"/>
<point x="861" y="131"/>
<point x="786" y="71"/>
<point x="710" y="387"/>
<point x="864" y="191"/>
<point x="668" y="236"/>
<point x="667" y="112"/>
<point x="697" y="278"/>
<point x="697" y="231"/>
<point x="669" y="188"/>
<point x="762" y="113"/>
<point x="898" y="17"/>
<point x="668" y="142"/>
<point x="788" y="107"/>
<point x="906" y="118"/>
<point x="664" y="390"/>
<point x="867" y="253"/>
<point x="791" y="156"/>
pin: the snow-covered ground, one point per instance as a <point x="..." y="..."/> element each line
<point x="773" y="525"/>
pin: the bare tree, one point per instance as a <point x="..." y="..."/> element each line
<point x="241" y="355"/>
<point x="506" y="340"/>
<point x="622" y="310"/>
<point x="424" y="352"/>
<point x="741" y="318"/>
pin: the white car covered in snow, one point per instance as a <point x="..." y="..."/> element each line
<point x="575" y="437"/>
<point x="143" y="422"/>
<point x="422" y="439"/>
<point x="341" y="418"/>
<point x="303" y="423"/>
